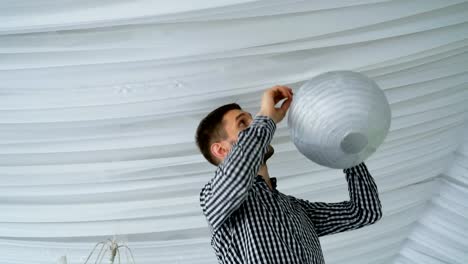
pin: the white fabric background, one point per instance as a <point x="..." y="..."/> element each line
<point x="99" y="101"/>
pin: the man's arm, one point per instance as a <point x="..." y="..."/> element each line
<point x="364" y="207"/>
<point x="235" y="176"/>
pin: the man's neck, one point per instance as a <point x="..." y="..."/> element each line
<point x="263" y="171"/>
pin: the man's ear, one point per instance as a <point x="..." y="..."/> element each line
<point x="219" y="150"/>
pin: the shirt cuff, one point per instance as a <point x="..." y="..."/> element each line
<point x="264" y="121"/>
<point x="358" y="169"/>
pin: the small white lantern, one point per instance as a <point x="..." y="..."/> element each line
<point x="338" y="119"/>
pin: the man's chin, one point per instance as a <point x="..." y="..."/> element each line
<point x="268" y="154"/>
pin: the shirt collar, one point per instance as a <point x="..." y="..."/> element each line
<point x="272" y="180"/>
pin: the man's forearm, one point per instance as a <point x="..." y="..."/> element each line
<point x="363" y="192"/>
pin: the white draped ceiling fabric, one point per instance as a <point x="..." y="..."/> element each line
<point x="99" y="101"/>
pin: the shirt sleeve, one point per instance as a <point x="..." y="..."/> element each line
<point x="362" y="209"/>
<point x="233" y="178"/>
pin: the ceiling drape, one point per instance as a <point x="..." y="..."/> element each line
<point x="99" y="102"/>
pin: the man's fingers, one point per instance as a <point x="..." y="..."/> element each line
<point x="286" y="104"/>
<point x="271" y="98"/>
<point x="281" y="92"/>
<point x="286" y="92"/>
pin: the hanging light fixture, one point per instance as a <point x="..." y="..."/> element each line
<point x="338" y="119"/>
<point x="110" y="252"/>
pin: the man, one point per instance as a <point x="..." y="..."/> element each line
<point x="250" y="220"/>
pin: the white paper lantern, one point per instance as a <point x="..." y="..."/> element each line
<point x="338" y="119"/>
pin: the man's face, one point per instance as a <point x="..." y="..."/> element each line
<point x="234" y="122"/>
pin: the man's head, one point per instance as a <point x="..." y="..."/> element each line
<point x="219" y="130"/>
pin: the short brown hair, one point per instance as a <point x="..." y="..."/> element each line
<point x="211" y="130"/>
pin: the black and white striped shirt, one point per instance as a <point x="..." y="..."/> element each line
<point x="252" y="224"/>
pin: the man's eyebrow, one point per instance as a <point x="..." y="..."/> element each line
<point x="242" y="114"/>
<point x="239" y="116"/>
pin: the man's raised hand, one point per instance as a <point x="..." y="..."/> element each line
<point x="271" y="97"/>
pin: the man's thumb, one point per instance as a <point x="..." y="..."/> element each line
<point x="286" y="104"/>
